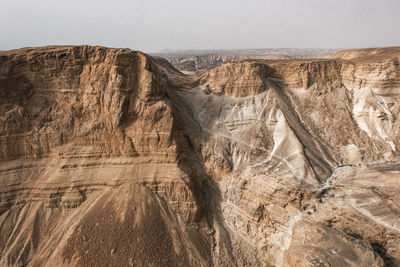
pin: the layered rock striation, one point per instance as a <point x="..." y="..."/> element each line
<point x="110" y="156"/>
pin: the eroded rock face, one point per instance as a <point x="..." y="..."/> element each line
<point x="77" y="121"/>
<point x="237" y="79"/>
<point x="197" y="61"/>
<point x="109" y="156"/>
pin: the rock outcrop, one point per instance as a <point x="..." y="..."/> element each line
<point x="113" y="157"/>
<point x="198" y="61"/>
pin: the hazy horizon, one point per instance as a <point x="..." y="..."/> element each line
<point x="156" y="25"/>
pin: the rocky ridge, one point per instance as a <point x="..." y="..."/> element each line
<point x="197" y="61"/>
<point x="110" y="156"/>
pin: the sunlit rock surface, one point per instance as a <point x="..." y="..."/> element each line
<point x="113" y="157"/>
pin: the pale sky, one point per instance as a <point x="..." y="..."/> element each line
<point x="151" y="25"/>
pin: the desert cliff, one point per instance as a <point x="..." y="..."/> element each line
<point x="113" y="157"/>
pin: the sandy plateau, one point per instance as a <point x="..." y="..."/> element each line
<point x="111" y="157"/>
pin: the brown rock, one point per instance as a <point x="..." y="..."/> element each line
<point x="113" y="157"/>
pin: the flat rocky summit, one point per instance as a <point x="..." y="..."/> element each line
<point x="111" y="157"/>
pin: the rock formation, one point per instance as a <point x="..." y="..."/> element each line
<point x="113" y="157"/>
<point x="197" y="61"/>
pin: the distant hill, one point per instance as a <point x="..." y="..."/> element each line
<point x="194" y="61"/>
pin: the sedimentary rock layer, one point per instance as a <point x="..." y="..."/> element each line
<point x="110" y="156"/>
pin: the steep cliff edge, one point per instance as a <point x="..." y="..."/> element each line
<point x="79" y="126"/>
<point x="112" y="157"/>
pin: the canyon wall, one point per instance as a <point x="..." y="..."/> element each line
<point x="113" y="157"/>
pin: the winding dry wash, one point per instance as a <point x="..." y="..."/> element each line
<point x="111" y="157"/>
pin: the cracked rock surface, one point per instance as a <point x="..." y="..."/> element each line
<point x="110" y="157"/>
